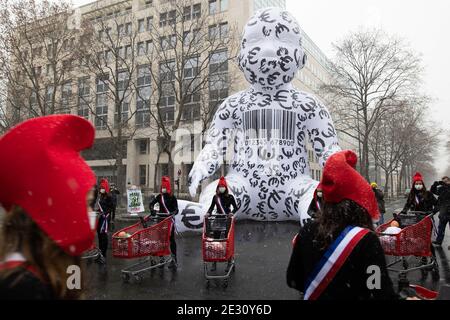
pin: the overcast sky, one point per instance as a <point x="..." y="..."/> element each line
<point x="424" y="25"/>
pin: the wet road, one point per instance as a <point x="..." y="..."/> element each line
<point x="262" y="255"/>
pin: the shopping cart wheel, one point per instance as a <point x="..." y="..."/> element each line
<point x="435" y="272"/>
<point x="424" y="273"/>
<point x="125" y="277"/>
<point x="405" y="264"/>
<point x="137" y="278"/>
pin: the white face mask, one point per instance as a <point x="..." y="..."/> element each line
<point x="419" y="187"/>
<point x="164" y="190"/>
<point x="319" y="194"/>
<point x="222" y="189"/>
<point x="102" y="190"/>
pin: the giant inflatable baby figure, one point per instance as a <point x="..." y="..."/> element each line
<point x="265" y="128"/>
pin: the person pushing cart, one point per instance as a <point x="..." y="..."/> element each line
<point x="222" y="201"/>
<point x="168" y="206"/>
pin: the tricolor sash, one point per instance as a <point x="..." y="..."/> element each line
<point x="219" y="204"/>
<point x="332" y="261"/>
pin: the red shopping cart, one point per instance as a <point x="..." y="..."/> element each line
<point x="218" y="247"/>
<point x="146" y="239"/>
<point x="412" y="243"/>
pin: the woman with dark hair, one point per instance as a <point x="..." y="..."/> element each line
<point x="225" y="205"/>
<point x="335" y="255"/>
<point x="316" y="204"/>
<point x="420" y="199"/>
<point x="168" y="204"/>
<point x="46" y="227"/>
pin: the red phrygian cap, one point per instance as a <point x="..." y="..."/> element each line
<point x="222" y="182"/>
<point x="42" y="171"/>
<point x="104" y="184"/>
<point x="341" y="181"/>
<point x="165" y="183"/>
<point x="417" y="177"/>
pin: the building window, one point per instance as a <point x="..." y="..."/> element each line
<point x="223" y="5"/>
<point x="213" y="7"/>
<point x="218" y="31"/>
<point x="143" y="144"/>
<point x="101" y="105"/>
<point x="140" y="49"/>
<point x="196" y="11"/>
<point x="143" y="175"/>
<point x="141" y="25"/>
<point x="163" y="19"/>
<point x="66" y="94"/>
<point x="218" y="78"/>
<point x="168" y="42"/>
<point x="123" y="80"/>
<point x="149" y="23"/>
<point x="187" y="13"/>
<point x="128" y="28"/>
<point x="143" y="75"/>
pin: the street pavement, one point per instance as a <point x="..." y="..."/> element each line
<point x="262" y="254"/>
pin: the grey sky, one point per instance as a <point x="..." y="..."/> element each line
<point x="424" y="25"/>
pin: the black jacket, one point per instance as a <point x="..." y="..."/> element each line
<point x="379" y="195"/>
<point x="106" y="202"/>
<point x="350" y="283"/>
<point x="114" y="194"/>
<point x="24" y="285"/>
<point x="226" y="200"/>
<point x="442" y="190"/>
<point x="427" y="201"/>
<point x="169" y="199"/>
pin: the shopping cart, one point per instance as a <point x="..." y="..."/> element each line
<point x="412" y="243"/>
<point x="218" y="246"/>
<point x="148" y="239"/>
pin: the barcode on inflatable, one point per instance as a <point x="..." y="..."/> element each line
<point x="269" y="124"/>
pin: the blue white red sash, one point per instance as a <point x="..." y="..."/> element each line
<point x="164" y="204"/>
<point x="219" y="204"/>
<point x="332" y="261"/>
<point x="105" y="224"/>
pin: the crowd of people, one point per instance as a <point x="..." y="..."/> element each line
<point x="47" y="228"/>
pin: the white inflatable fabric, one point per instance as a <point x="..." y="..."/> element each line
<point x="265" y="128"/>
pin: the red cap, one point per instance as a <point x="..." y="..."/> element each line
<point x="341" y="181"/>
<point x="417" y="177"/>
<point x="165" y="183"/>
<point x="104" y="184"/>
<point x="222" y="182"/>
<point x="42" y="171"/>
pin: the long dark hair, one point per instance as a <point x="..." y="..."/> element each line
<point x="21" y="234"/>
<point x="335" y="217"/>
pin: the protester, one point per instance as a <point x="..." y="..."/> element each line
<point x="442" y="190"/>
<point x="222" y="201"/>
<point x="344" y="230"/>
<point x="114" y="196"/>
<point x="316" y="203"/>
<point x="168" y="204"/>
<point x="105" y="205"/>
<point x="419" y="199"/>
<point x="46" y="227"/>
<point x="379" y="195"/>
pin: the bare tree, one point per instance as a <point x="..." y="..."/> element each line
<point x="371" y="74"/>
<point x="37" y="41"/>
<point x="109" y="55"/>
<point x="189" y="54"/>
<point x="393" y="134"/>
